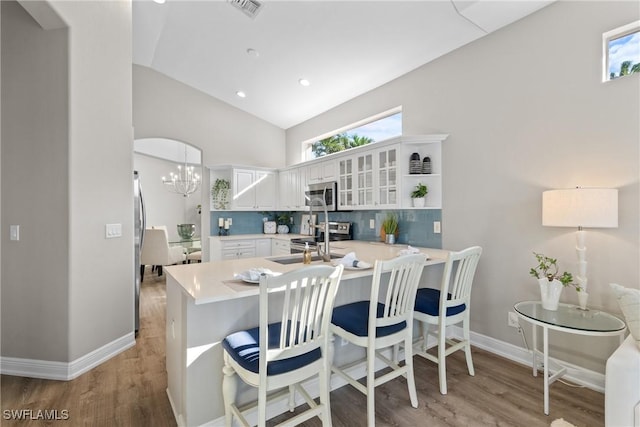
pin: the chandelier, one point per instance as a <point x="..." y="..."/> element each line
<point x="185" y="182"/>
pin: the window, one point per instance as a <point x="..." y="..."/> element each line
<point x="373" y="129"/>
<point x="622" y="51"/>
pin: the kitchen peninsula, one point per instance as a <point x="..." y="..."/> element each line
<point x="205" y="303"/>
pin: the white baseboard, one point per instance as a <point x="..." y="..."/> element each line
<point x="576" y="374"/>
<point x="65" y="371"/>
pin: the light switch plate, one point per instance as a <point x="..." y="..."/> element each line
<point x="14" y="232"/>
<point x="113" y="231"/>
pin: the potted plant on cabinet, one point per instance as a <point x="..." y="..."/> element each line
<point x="418" y="195"/>
<point x="550" y="281"/>
<point x="389" y="230"/>
<point x="284" y="219"/>
<point x="220" y="193"/>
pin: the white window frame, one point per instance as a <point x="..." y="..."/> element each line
<point x="617" y="33"/>
<point x="306" y="145"/>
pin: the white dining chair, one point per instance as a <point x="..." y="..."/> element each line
<point x="384" y="321"/>
<point x="156" y="250"/>
<point x="447" y="306"/>
<point x="195" y="256"/>
<point x="282" y="354"/>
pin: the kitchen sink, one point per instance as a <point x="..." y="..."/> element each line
<point x="297" y="259"/>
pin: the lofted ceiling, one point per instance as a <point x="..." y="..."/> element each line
<point x="344" y="48"/>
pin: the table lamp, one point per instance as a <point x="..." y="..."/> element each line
<point x="582" y="208"/>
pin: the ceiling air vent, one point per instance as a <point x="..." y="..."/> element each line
<point x="248" y="7"/>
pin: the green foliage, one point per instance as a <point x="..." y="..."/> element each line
<point x="220" y="193"/>
<point x="625" y="69"/>
<point x="284" y="218"/>
<point x="420" y="191"/>
<point x="390" y="223"/>
<point x="548" y="267"/>
<point x="339" y="142"/>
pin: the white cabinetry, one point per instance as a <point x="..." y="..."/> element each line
<point x="263" y="247"/>
<point x="426" y="146"/>
<point x="322" y="171"/>
<point x="280" y="247"/>
<point x="346" y="189"/>
<point x="231" y="249"/>
<point x="251" y="189"/>
<point x="292" y="185"/>
<point x="369" y="180"/>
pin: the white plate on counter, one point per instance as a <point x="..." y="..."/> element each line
<point x="249" y="276"/>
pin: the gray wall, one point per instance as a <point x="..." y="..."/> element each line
<point x="66" y="290"/>
<point x="526" y="111"/>
<point x="166" y="108"/>
<point x="35" y="193"/>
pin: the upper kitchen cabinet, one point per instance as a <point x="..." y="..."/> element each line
<point x="292" y="185"/>
<point x="251" y="189"/>
<point x="322" y="171"/>
<point x="378" y="176"/>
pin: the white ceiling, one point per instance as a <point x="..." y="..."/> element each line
<point x="344" y="48"/>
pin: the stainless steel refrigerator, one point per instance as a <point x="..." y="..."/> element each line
<point x="139" y="222"/>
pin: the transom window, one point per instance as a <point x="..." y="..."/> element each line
<point x="621" y="51"/>
<point x="373" y="129"/>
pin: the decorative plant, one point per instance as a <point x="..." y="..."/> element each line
<point x="220" y="193"/>
<point x="390" y="224"/>
<point x="284" y="218"/>
<point x="548" y="268"/>
<point x="420" y="191"/>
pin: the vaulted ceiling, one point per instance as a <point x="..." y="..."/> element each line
<point x="343" y="48"/>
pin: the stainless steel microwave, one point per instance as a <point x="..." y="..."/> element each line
<point x="327" y="191"/>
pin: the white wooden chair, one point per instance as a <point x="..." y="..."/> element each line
<point x="385" y="320"/>
<point x="156" y="250"/>
<point x="446" y="306"/>
<point x="285" y="353"/>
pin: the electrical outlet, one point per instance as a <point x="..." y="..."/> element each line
<point x="512" y="320"/>
<point x="372" y="223"/>
<point x="436" y="227"/>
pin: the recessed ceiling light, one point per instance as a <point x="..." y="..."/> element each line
<point x="253" y="53"/>
<point x="159" y="1"/>
<point x="241" y="94"/>
<point x="304" y="82"/>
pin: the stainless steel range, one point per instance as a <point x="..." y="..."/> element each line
<point x="337" y="231"/>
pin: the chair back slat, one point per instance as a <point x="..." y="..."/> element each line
<point x="465" y="263"/>
<point x="399" y="299"/>
<point x="309" y="294"/>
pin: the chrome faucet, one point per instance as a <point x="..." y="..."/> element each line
<point x="326" y="253"/>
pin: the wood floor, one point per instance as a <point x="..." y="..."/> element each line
<point x="129" y="390"/>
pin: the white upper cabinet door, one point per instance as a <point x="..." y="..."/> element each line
<point x="244" y="196"/>
<point x="346" y="182"/>
<point x="265" y="190"/>
<point x="254" y="189"/>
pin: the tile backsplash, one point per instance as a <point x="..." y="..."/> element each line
<point x="415" y="225"/>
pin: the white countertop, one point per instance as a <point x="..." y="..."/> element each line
<point x="209" y="282"/>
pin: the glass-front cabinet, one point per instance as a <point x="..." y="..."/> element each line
<point x="345" y="183"/>
<point x="387" y="182"/>
<point x="364" y="179"/>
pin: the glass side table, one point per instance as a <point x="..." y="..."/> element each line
<point x="570" y="319"/>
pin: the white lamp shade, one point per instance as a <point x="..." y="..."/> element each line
<point x="580" y="207"/>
